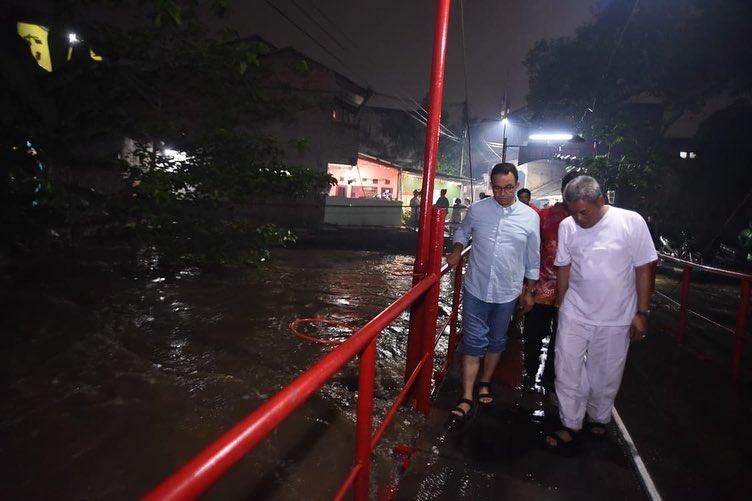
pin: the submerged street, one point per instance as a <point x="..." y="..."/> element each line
<point x="117" y="376"/>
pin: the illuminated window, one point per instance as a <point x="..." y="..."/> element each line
<point x="683" y="154"/>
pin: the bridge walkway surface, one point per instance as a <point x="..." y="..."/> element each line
<point x="689" y="425"/>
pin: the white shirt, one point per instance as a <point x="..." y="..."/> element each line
<point x="506" y="248"/>
<point x="603" y="260"/>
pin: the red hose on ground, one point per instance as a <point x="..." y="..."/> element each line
<point x="316" y="339"/>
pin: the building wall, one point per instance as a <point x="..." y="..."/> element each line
<point x="343" y="211"/>
<point x="411" y="182"/>
<point x="544" y="177"/>
<point x="366" y="179"/>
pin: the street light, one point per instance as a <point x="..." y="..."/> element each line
<point x="504" y="122"/>
<point x="551" y="136"/>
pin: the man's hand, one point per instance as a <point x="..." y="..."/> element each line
<point x="638" y="328"/>
<point x="527" y="301"/>
<point x="453" y="258"/>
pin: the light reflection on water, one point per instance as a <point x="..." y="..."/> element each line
<point x="113" y="381"/>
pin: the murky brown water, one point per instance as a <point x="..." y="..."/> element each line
<point x="115" y="378"/>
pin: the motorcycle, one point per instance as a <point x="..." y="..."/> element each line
<point x="683" y="250"/>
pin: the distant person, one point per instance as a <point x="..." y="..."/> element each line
<point x="442" y="202"/>
<point x="467" y="202"/>
<point x="540" y="322"/>
<point x="603" y="283"/>
<point x="458" y="213"/>
<point x="506" y="251"/>
<point x="415" y="209"/>
<point x="523" y="195"/>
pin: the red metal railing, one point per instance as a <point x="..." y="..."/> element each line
<point x="213" y="462"/>
<point x="742" y="313"/>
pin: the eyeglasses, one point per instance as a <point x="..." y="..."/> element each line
<point x="507" y="188"/>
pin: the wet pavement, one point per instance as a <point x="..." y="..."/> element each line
<point x="689" y="424"/>
<point x="498" y="454"/>
<point x="114" y="376"/>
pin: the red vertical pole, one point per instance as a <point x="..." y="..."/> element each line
<point x="363" y="427"/>
<point x="431" y="313"/>
<point x="741" y="330"/>
<point x="435" y="95"/>
<point x="683" y="307"/>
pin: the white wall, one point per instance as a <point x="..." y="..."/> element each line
<point x="362" y="212"/>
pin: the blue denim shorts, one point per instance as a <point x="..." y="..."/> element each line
<point x="484" y="325"/>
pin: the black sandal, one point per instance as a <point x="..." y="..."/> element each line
<point x="596" y="430"/>
<point x="463" y="415"/>
<point x="488" y="395"/>
<point x="561" y="446"/>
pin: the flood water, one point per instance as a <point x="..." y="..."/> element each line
<point x="114" y="377"/>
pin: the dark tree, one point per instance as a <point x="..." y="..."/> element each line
<point x="163" y="80"/>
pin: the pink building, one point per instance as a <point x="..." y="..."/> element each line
<point x="371" y="177"/>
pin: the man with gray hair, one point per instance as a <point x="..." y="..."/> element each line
<point x="603" y="292"/>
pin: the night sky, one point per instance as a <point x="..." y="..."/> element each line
<point x="393" y="42"/>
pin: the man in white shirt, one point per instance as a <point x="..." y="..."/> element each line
<point x="603" y="290"/>
<point x="506" y="250"/>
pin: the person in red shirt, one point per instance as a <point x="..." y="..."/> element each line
<point x="524" y="196"/>
<point x="540" y="321"/>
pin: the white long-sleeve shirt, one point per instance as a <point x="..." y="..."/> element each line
<point x="506" y="249"/>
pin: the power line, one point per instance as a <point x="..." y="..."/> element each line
<point x="318" y="25"/>
<point x="321" y="45"/>
<point x="417" y="106"/>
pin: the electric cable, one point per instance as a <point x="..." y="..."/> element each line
<point x="417" y="106"/>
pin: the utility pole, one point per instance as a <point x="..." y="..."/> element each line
<point x="504" y="120"/>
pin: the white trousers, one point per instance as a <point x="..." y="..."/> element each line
<point x="589" y="365"/>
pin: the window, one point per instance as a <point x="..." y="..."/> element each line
<point x="386" y="181"/>
<point x="343" y="113"/>
<point x="364" y="180"/>
<point x="375" y="181"/>
<point x="342" y="179"/>
<point x="688" y="155"/>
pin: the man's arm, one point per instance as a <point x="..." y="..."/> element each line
<point x="531" y="260"/>
<point x="461" y="238"/>
<point x="639" y="325"/>
<point x="562" y="283"/>
<point x="453" y="258"/>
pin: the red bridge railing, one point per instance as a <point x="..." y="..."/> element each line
<point x="742" y="313"/>
<point x="214" y="461"/>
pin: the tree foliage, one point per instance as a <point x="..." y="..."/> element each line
<point x="165" y="81"/>
<point x="627" y="77"/>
